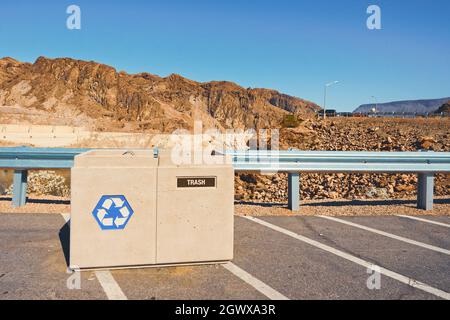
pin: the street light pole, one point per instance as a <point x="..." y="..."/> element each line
<point x="325" y="98"/>
<point x="376" y="103"/>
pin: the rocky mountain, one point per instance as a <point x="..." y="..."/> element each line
<point x="445" y="108"/>
<point x="94" y="95"/>
<point x="410" y="106"/>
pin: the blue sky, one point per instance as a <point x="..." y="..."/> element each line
<point x="292" y="46"/>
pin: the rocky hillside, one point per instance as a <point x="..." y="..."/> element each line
<point x="352" y="134"/>
<point x="341" y="134"/>
<point x="411" y="106"/>
<point x="74" y="92"/>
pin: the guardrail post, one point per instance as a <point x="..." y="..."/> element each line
<point x="425" y="189"/>
<point x="294" y="191"/>
<point x="19" y="188"/>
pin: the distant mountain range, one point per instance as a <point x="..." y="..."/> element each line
<point x="409" y="106"/>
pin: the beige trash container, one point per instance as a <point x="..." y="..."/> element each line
<point x="135" y="208"/>
<point x="194" y="212"/>
<point x="113" y="209"/>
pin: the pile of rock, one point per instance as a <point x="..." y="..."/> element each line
<point x="369" y="134"/>
<point x="273" y="188"/>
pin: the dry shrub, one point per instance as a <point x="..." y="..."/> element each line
<point x="45" y="183"/>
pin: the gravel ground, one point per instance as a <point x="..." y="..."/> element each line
<point x="37" y="204"/>
<point x="52" y="204"/>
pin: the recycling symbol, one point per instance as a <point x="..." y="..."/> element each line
<point x="112" y="212"/>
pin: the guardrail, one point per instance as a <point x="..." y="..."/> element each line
<point x="423" y="163"/>
<point x="293" y="162"/>
<point x="21" y="159"/>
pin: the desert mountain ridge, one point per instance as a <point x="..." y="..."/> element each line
<point x="423" y="106"/>
<point x="90" y="94"/>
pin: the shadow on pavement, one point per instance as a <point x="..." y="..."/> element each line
<point x="64" y="238"/>
<point x="40" y="201"/>
<point x="336" y="203"/>
<point x="261" y="204"/>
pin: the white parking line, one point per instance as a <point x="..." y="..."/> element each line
<point x="109" y="285"/>
<point x="425" y="220"/>
<point x="254" y="282"/>
<point x="66" y="216"/>
<point x="389" y="235"/>
<point x="391" y="274"/>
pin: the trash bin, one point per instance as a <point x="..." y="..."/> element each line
<point x="138" y="208"/>
<point x="113" y="209"/>
<point x="194" y="211"/>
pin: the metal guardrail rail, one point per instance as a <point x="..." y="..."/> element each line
<point x="341" y="161"/>
<point x="38" y="158"/>
<point x="293" y="162"/>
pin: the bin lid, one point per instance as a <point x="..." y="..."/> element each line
<point x="172" y="158"/>
<point x="128" y="158"/>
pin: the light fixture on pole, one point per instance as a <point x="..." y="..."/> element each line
<point x="325" y="97"/>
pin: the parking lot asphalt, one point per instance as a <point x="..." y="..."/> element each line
<point x="293" y="257"/>
<point x="32" y="260"/>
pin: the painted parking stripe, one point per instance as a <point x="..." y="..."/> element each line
<point x="389" y="235"/>
<point x="425" y="220"/>
<point x="388" y="273"/>
<point x="66" y="216"/>
<point x="254" y="282"/>
<point x="109" y="285"/>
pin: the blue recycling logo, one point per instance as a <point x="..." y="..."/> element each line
<point x="112" y="212"/>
